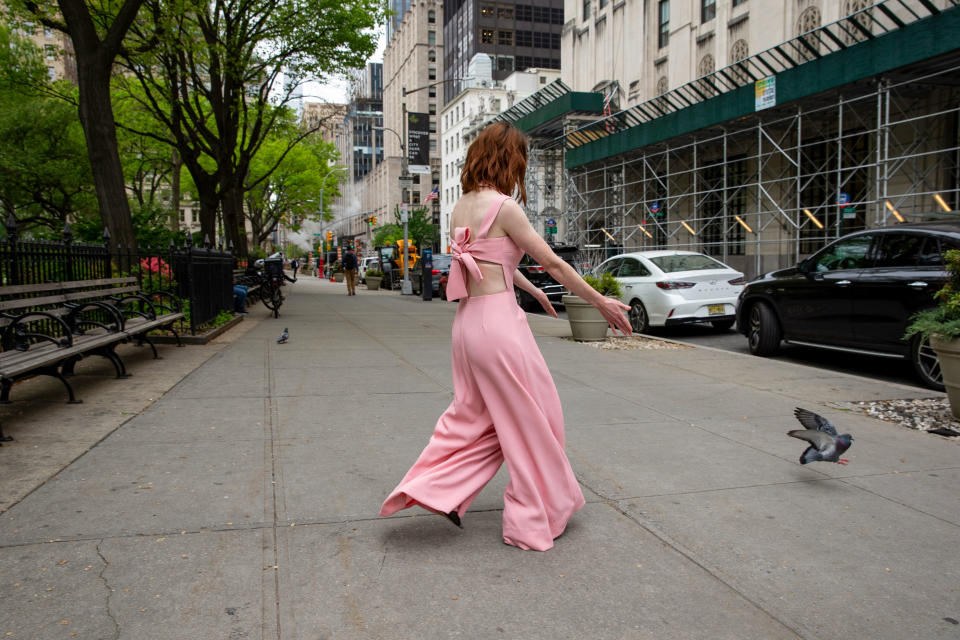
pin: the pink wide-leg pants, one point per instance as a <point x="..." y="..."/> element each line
<point x="505" y="407"/>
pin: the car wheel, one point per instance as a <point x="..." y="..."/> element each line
<point x="926" y="363"/>
<point x="722" y="325"/>
<point x="764" y="330"/>
<point x="639" y="320"/>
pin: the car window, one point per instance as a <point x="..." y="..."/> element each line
<point x="631" y="268"/>
<point x="441" y="262"/>
<point x="686" y="262"/>
<point x="898" y="250"/>
<point x="845" y="254"/>
<point x="609" y="267"/>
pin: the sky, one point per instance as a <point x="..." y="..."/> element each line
<point x="336" y="90"/>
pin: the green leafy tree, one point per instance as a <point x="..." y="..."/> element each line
<point x="222" y="71"/>
<point x="45" y="173"/>
<point x="420" y="227"/>
<point x="388" y="234"/>
<point x="97" y="29"/>
<point x="286" y="185"/>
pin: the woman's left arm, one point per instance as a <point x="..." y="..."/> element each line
<point x="521" y="281"/>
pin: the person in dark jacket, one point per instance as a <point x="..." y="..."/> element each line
<point x="350" y="271"/>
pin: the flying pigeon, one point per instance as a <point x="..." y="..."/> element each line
<point x="825" y="444"/>
<point x="284" y="337"/>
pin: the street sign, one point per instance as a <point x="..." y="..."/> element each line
<point x="844" y="198"/>
<point x="317" y="235"/>
<point x="655" y="207"/>
<point x="404" y="213"/>
<point x="551" y="222"/>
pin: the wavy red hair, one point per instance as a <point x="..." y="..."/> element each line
<point x="498" y="157"/>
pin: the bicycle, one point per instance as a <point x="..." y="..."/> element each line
<point x="272" y="277"/>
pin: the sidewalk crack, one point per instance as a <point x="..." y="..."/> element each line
<point x="106" y="584"/>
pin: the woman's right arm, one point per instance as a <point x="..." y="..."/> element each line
<point x="516" y="225"/>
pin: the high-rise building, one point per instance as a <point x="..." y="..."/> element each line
<point x="398" y="9"/>
<point x="365" y="120"/>
<point x="515" y="36"/>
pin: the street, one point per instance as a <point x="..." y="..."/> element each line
<point x="885" y="369"/>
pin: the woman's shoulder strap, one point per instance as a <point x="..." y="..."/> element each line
<point x="491" y="214"/>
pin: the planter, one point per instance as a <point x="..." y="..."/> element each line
<point x="373" y="283"/>
<point x="338" y="276"/>
<point x="586" y="322"/>
<point x="949" y="353"/>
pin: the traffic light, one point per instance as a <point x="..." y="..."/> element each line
<point x="373" y="221"/>
<point x="329" y="236"/>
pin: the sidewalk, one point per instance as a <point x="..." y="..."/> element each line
<point x="242" y="503"/>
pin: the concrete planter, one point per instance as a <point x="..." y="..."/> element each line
<point x="586" y="323"/>
<point x="949" y="353"/>
<point x="338" y="276"/>
<point x="373" y="282"/>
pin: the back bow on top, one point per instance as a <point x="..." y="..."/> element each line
<point x="462" y="259"/>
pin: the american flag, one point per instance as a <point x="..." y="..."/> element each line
<point x="433" y="195"/>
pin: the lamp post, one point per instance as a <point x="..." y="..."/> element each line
<point x="323" y="185"/>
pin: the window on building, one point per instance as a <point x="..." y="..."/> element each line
<point x="431" y="16"/>
<point x="738" y="52"/>
<point x="586" y="9"/>
<point x="852" y="32"/>
<point x="556" y="16"/>
<point x="524" y="12"/>
<point x="809" y="20"/>
<point x="433" y="108"/>
<point x="432" y="127"/>
<point x="603" y="3"/>
<point x="543" y="80"/>
<point x="524" y="38"/>
<point x="487" y="11"/>
<point x="737" y="3"/>
<point x="487" y="36"/>
<point x="50" y="51"/>
<point x="663" y="20"/>
<point x="431" y="37"/>
<point x="432" y="92"/>
<point x="432" y="74"/>
<point x="504" y="63"/>
<point x="708" y="10"/>
<point x="183" y="215"/>
<point x="504" y="12"/>
<point x="433" y="144"/>
<point x="505" y="38"/>
<point x="432" y="55"/>
<point x="51" y="73"/>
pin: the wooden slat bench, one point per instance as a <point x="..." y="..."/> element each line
<point x="45" y="329"/>
<point x="251" y="281"/>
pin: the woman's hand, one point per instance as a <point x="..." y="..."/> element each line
<point x="545" y="303"/>
<point x="612" y="310"/>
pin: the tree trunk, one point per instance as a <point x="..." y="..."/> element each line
<point x="96" y="116"/>
<point x="175" y="191"/>
<point x="233" y="218"/>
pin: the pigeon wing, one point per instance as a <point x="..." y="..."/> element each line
<point x="818" y="439"/>
<point x="811" y="420"/>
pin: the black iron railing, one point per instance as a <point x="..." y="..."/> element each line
<point x="200" y="276"/>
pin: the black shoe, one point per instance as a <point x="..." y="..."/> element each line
<point x="454" y="517"/>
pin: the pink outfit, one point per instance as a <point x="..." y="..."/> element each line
<point x="505" y="407"/>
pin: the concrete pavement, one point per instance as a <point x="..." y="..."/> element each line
<point x="242" y="502"/>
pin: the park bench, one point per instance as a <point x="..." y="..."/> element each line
<point x="45" y="329"/>
<point x="252" y="282"/>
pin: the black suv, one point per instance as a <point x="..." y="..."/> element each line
<point x="855" y="295"/>
<point x="539" y="277"/>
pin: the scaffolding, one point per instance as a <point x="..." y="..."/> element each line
<point x="763" y="192"/>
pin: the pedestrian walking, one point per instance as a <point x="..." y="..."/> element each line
<point x="295" y="264"/>
<point x="350" y="271"/>
<point x="505" y="405"/>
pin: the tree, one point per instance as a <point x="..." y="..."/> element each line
<point x="420" y="227"/>
<point x="287" y="184"/>
<point x="222" y="67"/>
<point x="44" y="170"/>
<point x="97" y="31"/>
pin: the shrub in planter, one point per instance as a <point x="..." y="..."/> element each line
<point x="941" y="325"/>
<point x="586" y="322"/>
<point x="373" y="278"/>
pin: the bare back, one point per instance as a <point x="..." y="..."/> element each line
<point x="469" y="212"/>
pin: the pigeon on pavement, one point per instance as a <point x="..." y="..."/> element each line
<point x="283" y="337"/>
<point x="825" y="444"/>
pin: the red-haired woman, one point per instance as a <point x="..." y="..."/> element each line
<point x="505" y="405"/>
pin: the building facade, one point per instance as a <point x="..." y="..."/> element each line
<point x="515" y="36"/>
<point x="462" y="120"/>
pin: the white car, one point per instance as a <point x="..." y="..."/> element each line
<point x="665" y="288"/>
<point x="370" y="262"/>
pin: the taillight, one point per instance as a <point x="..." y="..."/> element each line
<point x="436" y="272"/>
<point x="736" y="280"/>
<point x="668" y="285"/>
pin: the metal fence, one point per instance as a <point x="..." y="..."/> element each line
<point x="200" y="276"/>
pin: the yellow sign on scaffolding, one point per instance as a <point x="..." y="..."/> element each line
<point x="765" y="92"/>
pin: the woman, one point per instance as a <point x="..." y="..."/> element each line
<point x="505" y="405"/>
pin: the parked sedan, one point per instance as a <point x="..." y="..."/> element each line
<point x="855" y="295"/>
<point x="667" y="287"/>
<point x="538" y="277"/>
